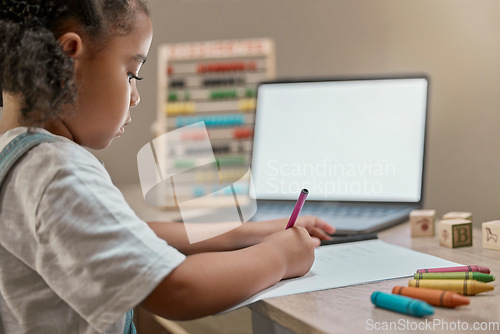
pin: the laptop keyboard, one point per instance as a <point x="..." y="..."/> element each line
<point x="350" y="210"/>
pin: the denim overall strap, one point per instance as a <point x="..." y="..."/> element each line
<point x="17" y="148"/>
<point x="129" y="325"/>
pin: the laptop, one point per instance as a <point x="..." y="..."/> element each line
<point x="357" y="145"/>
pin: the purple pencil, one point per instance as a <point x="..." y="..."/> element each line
<point x="297" y="208"/>
<point x="456" y="269"/>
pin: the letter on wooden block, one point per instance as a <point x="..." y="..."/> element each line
<point x="422" y="223"/>
<point x="491" y="235"/>
<point x="455" y="233"/>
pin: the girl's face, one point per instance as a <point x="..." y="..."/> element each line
<point x="107" y="87"/>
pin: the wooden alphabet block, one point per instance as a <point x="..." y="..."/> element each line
<point x="458" y="215"/>
<point x="455" y="233"/>
<point x="491" y="235"/>
<point x="422" y="223"/>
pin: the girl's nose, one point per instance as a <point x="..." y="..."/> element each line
<point x="135" y="98"/>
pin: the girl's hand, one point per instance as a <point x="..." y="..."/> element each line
<point x="318" y="228"/>
<point x="295" y="247"/>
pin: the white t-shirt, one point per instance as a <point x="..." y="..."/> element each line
<point x="74" y="258"/>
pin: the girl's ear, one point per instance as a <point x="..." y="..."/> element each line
<point x="72" y="44"/>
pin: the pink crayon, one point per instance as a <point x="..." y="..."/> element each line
<point x="455" y="269"/>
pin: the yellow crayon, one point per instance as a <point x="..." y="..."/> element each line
<point x="463" y="287"/>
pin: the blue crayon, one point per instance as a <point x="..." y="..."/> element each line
<point x="402" y="304"/>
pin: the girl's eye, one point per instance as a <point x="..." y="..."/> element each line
<point x="133" y="76"/>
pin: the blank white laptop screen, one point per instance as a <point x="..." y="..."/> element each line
<point x="353" y="140"/>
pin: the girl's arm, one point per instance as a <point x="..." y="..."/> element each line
<point x="208" y="283"/>
<point x="245" y="235"/>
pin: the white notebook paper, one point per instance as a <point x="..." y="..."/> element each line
<point x="353" y="263"/>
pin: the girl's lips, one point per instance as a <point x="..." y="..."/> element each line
<point x="122" y="129"/>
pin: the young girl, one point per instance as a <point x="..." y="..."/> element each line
<point x="74" y="257"/>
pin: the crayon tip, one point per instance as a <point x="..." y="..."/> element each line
<point x="483" y="277"/>
<point x="426" y="309"/>
<point x="459" y="300"/>
<point x="484" y="270"/>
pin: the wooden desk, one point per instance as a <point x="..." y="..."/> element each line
<point x="349" y="309"/>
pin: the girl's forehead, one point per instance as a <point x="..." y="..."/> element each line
<point x="137" y="41"/>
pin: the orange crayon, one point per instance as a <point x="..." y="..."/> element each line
<point x="433" y="297"/>
<point x="465" y="287"/>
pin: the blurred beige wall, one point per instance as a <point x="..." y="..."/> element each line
<point x="457" y="42"/>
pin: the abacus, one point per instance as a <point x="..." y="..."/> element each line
<point x="212" y="82"/>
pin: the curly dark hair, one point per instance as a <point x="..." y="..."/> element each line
<point x="32" y="62"/>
